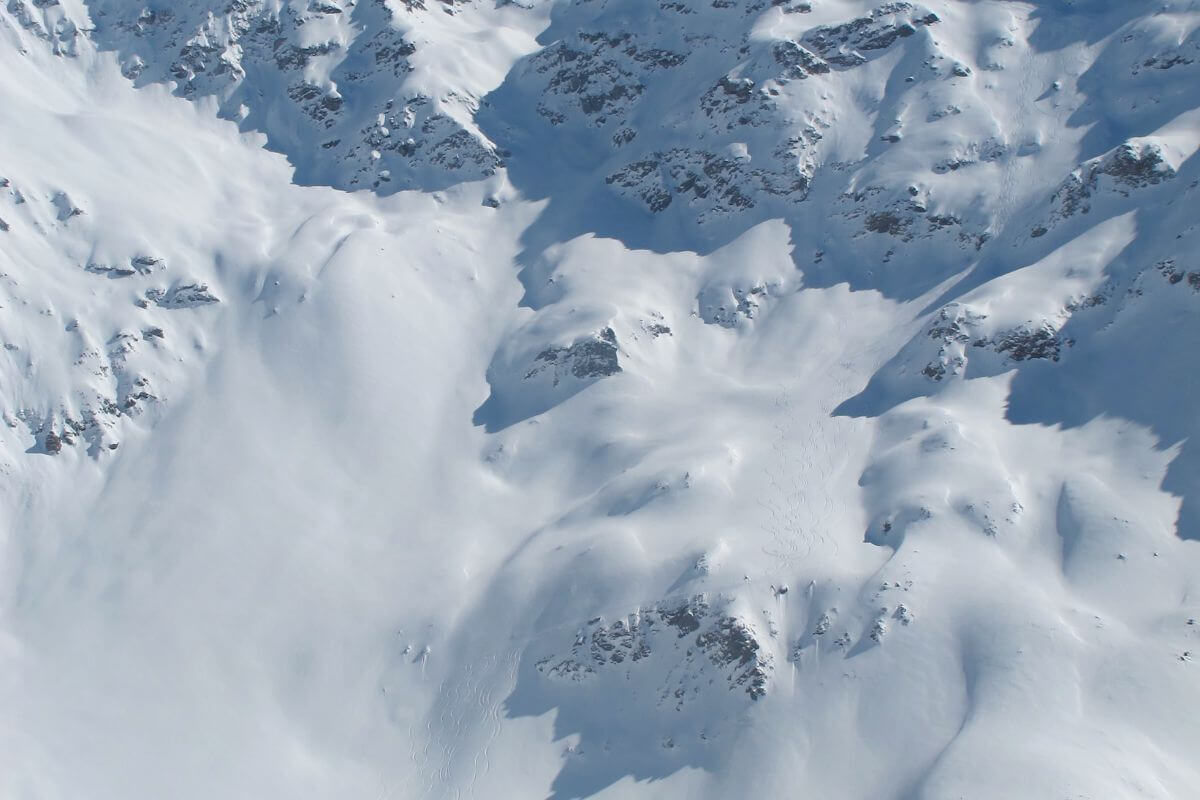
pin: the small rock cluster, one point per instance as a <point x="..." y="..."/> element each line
<point x="684" y="640"/>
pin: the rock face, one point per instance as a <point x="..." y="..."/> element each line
<point x="591" y="357"/>
<point x="958" y="330"/>
<point x="745" y="141"/>
<point x="853" y="43"/>
<point x="1125" y="169"/>
<point x="528" y="378"/>
<point x="731" y="307"/>
<point x="392" y="135"/>
<point x="710" y="183"/>
<point x="1026" y="343"/>
<point x="363" y="101"/>
<point x="186" y="295"/>
<point x="686" y="644"/>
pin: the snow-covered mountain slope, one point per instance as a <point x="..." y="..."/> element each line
<point x="599" y="398"/>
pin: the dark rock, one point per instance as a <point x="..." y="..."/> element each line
<point x="1023" y="344"/>
<point x="657" y="329"/>
<point x="887" y="222"/>
<point x="686" y="618"/>
<point x="723" y="641"/>
<point x="731" y="643"/>
<point x="843" y="45"/>
<point x="716" y="183"/>
<point x="797" y="61"/>
<point x="593" y="357"/>
<point x="145" y="264"/>
<point x="184" y="296"/>
<point x="1127" y="167"/>
<point x="295" y="58"/>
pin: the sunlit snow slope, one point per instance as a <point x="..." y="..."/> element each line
<point x="599" y="398"/>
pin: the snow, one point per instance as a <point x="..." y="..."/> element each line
<point x="461" y="471"/>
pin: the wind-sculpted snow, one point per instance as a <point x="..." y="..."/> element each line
<point x="599" y="398"/>
<point x="84" y="353"/>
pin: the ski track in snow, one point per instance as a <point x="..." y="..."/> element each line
<point x="801" y="503"/>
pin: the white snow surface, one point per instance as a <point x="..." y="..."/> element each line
<point x="599" y="398"/>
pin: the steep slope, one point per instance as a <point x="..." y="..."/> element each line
<point x="599" y="399"/>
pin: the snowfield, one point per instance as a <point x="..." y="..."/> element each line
<point x="600" y="399"/>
